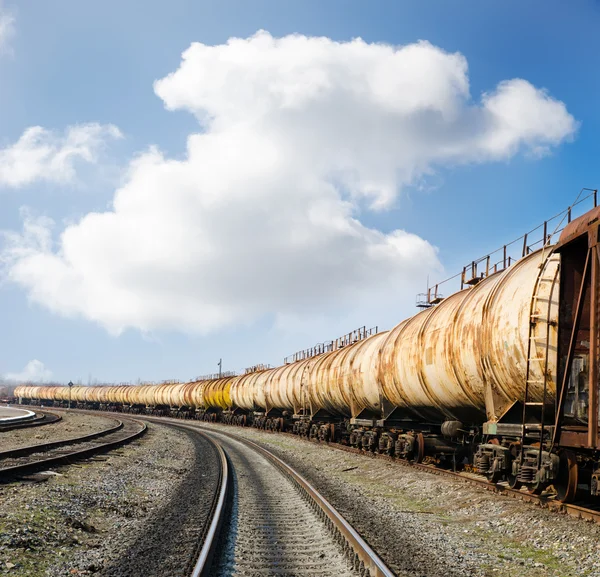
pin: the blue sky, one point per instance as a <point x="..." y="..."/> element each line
<point x="72" y="63"/>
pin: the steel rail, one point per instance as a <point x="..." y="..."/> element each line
<point x="45" y="419"/>
<point x="575" y="510"/>
<point x="41" y="447"/>
<point x="364" y="558"/>
<point x="68" y="458"/>
<point x="210" y="538"/>
<point x="28" y="416"/>
<point x="572" y="509"/>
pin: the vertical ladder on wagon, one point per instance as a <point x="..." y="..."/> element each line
<point x="537" y="366"/>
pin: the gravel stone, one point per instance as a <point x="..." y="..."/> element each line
<point x="72" y="425"/>
<point x="168" y="544"/>
<point x="85" y="518"/>
<point x="425" y="525"/>
<point x="272" y="530"/>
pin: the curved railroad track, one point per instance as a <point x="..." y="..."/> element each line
<point x="263" y="518"/>
<point x="41" y="418"/>
<point x="180" y="537"/>
<point x="32" y="458"/>
<point x="579" y="509"/>
<point x="280" y="524"/>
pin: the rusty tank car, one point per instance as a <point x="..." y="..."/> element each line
<point x="501" y="375"/>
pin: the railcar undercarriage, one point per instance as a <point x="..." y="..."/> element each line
<point x="452" y="446"/>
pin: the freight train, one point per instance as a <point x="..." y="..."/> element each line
<point x="500" y="377"/>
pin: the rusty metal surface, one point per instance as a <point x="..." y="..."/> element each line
<point x="175" y="395"/>
<point x="544" y="500"/>
<point x="296" y="383"/>
<point x="344" y="382"/>
<point x="249" y="391"/>
<point x="258" y="384"/>
<point x="460" y="359"/>
<point x="279" y="391"/>
<point x="442" y="361"/>
<point x="360" y="380"/>
<point x="579" y="226"/>
<point x="282" y="388"/>
<point x="505" y="331"/>
<point x="193" y="394"/>
<point x="241" y="392"/>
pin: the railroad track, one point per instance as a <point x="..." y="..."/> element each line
<point x="26" y="460"/>
<point x="41" y="418"/>
<point x="589" y="512"/>
<point x="286" y="524"/>
<point x="580" y="510"/>
<point x="266" y="519"/>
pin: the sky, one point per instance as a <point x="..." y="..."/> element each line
<point x="192" y="181"/>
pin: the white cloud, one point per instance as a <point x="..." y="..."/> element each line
<point x="34" y="371"/>
<point x="43" y="155"/>
<point x="7" y="28"/>
<point x="262" y="217"/>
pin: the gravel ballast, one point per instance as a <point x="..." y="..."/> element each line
<point x="271" y="529"/>
<point x="72" y="425"/>
<point x="424" y="525"/>
<point x="89" y="517"/>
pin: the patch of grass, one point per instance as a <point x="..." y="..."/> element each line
<point x="543" y="556"/>
<point x="509" y="549"/>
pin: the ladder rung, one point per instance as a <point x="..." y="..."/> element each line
<point x="537" y="359"/>
<point x="534" y="338"/>
<point x="535" y="381"/>
<point x="532" y="404"/>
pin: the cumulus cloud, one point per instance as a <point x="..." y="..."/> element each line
<point x="43" y="155"/>
<point x="298" y="137"/>
<point x="34" y="371"/>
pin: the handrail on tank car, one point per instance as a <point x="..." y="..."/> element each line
<point x="472" y="273"/>
<point x="348" y="339"/>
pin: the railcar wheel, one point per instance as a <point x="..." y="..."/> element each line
<point x="419" y="452"/>
<point x="568" y="477"/>
<point x="513" y="482"/>
<point x="537" y="488"/>
<point x="494" y="477"/>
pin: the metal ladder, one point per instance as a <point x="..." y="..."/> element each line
<point x="548" y="276"/>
